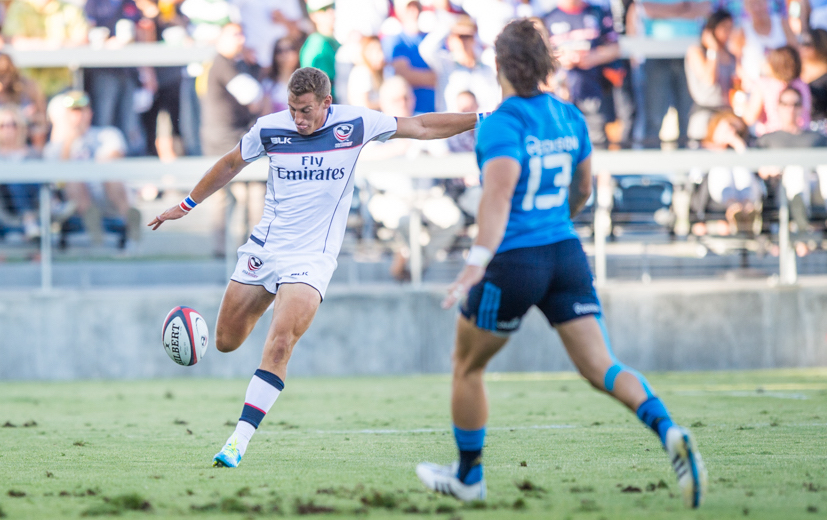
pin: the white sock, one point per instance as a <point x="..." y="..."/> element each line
<point x="262" y="392"/>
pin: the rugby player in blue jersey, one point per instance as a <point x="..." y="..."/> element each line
<point x="534" y="154"/>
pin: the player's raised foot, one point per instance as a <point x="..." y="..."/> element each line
<point x="443" y="479"/>
<point x="688" y="465"/>
<point x="229" y="456"/>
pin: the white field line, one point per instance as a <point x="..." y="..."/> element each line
<point x="776" y="395"/>
<point x="414" y="430"/>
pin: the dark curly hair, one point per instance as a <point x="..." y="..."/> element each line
<point x="524" y="56"/>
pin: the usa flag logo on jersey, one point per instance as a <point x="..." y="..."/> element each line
<point x="254" y="263"/>
<point x="342" y="132"/>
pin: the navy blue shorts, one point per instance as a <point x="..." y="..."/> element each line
<point x="555" y="277"/>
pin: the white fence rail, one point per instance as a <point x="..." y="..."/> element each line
<point x="164" y="55"/>
<point x="185" y="172"/>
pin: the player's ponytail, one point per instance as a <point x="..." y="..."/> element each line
<point x="524" y="56"/>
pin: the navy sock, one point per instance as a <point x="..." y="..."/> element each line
<point x="655" y="415"/>
<point x="470" y="444"/>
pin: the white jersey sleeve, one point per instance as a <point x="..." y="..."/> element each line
<point x="251" y="145"/>
<point x="378" y="126"/>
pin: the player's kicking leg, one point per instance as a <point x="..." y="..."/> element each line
<point x="469" y="409"/>
<point x="587" y="344"/>
<point x="295" y="307"/>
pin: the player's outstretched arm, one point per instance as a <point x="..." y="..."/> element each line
<point x="216" y="178"/>
<point x="581" y="186"/>
<point x="434" y="125"/>
<point x="500" y="177"/>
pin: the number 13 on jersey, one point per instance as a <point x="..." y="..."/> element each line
<point x="537" y="195"/>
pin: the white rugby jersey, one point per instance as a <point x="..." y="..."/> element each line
<point x="310" y="185"/>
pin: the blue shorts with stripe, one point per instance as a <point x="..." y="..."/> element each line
<point x="555" y="277"/>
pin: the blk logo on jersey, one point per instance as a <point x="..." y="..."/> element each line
<point x="342" y="132"/>
<point x="280" y="140"/>
<point x="254" y="263"/>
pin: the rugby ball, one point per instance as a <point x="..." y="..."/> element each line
<point x="185" y="336"/>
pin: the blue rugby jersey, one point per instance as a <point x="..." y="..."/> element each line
<point x="548" y="137"/>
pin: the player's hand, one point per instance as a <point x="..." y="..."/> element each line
<point x="173" y="213"/>
<point x="467" y="278"/>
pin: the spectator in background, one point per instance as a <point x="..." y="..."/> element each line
<point x="45" y="24"/>
<point x="233" y="101"/>
<point x="22" y="198"/>
<point x="174" y="87"/>
<point x="234" y="97"/>
<point x="466" y="141"/>
<point x="762" y="110"/>
<point x="367" y="76"/>
<point x="791" y="132"/>
<point x="112" y="89"/>
<point x="492" y="15"/>
<point x="355" y="18"/>
<point x="4" y="6"/>
<point x="319" y="50"/>
<point x="710" y="71"/>
<point x="74" y="138"/>
<point x="814" y="73"/>
<point x="395" y="193"/>
<point x="616" y="79"/>
<point x="16" y="89"/>
<point x="284" y="63"/>
<point x="207" y="17"/>
<point x="817" y="10"/>
<point x="405" y="58"/>
<point x="266" y="21"/>
<point x="665" y="78"/>
<point x="764" y="26"/>
<point x="737" y="190"/>
<point x="796" y="181"/>
<point x="584" y="38"/>
<point x="459" y="68"/>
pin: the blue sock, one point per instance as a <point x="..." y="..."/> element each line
<point x="655" y="415"/>
<point x="470" y="444"/>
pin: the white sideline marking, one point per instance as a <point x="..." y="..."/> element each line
<point x="415" y="430"/>
<point x="777" y="395"/>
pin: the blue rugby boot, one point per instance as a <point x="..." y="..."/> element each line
<point x="229" y="456"/>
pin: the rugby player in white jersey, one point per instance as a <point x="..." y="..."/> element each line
<point x="291" y="254"/>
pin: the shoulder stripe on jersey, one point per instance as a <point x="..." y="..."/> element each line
<point x="338" y="136"/>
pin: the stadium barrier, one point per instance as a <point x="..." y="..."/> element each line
<point x="167" y="55"/>
<point x="185" y="172"/>
<point x="393" y="330"/>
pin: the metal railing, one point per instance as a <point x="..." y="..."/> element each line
<point x="167" y="55"/>
<point x="185" y="172"/>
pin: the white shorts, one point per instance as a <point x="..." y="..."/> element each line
<point x="269" y="269"/>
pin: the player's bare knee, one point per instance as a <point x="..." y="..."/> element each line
<point x="593" y="372"/>
<point x="465" y="366"/>
<point x="226" y="343"/>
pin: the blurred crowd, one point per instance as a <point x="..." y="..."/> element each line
<point x="756" y="76"/>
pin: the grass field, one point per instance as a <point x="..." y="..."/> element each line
<point x="346" y="448"/>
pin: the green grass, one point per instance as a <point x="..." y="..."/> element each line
<point x="346" y="448"/>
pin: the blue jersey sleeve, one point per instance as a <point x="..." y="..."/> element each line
<point x="583" y="137"/>
<point x="499" y="135"/>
